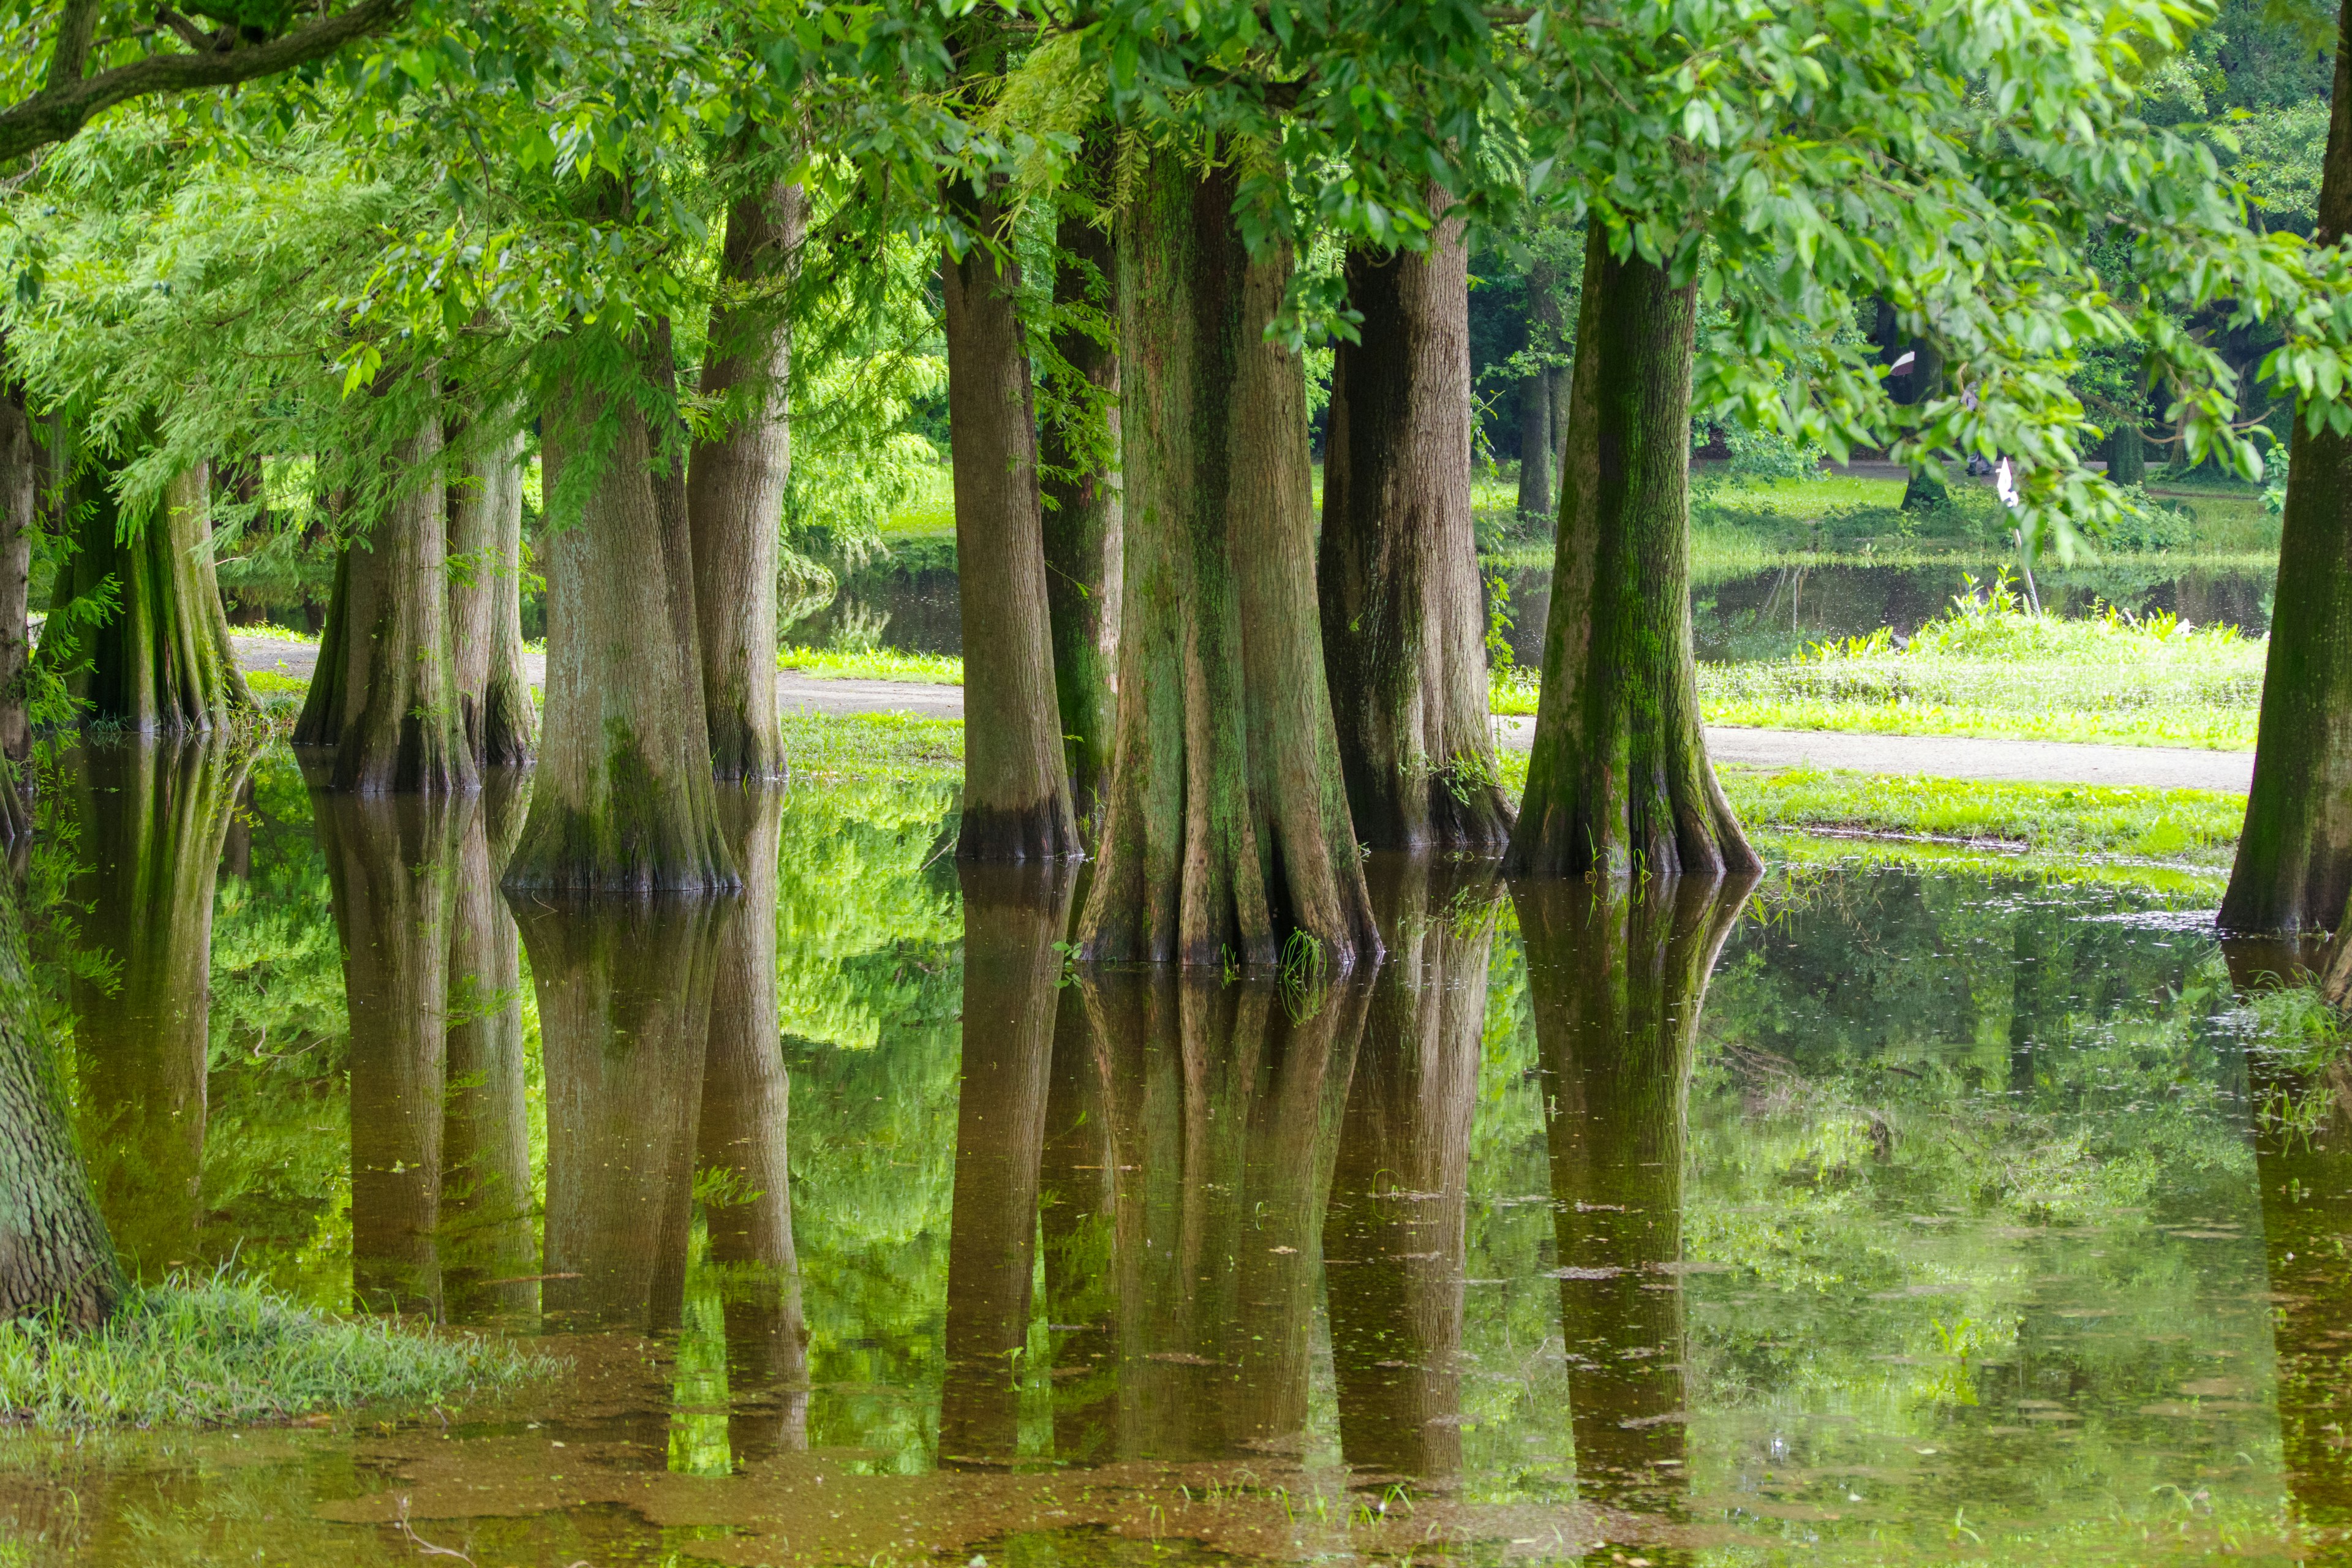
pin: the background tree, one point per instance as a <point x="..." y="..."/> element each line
<point x="485" y="555"/>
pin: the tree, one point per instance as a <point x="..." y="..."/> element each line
<point x="2294" y="867"/>
<point x="1618" y="775"/>
<point x="20" y="470"/>
<point x="1404" y="623"/>
<point x="1537" y="418"/>
<point x="485" y="559"/>
<point x="1227" y="830"/>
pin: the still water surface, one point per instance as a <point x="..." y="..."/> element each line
<point x="1885" y="1211"/>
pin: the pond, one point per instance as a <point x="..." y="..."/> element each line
<point x="1891" y="1209"/>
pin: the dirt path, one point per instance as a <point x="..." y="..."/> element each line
<point x="1942" y="756"/>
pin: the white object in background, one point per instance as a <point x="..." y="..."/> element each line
<point x="2004" y="486"/>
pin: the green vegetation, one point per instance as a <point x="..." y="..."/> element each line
<point x="873" y="664"/>
<point x="229" y="1350"/>
<point x="874" y="749"/>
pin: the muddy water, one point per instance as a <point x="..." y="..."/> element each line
<point x="1881" y="1212"/>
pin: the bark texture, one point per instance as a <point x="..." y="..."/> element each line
<point x="1016" y="785"/>
<point x="1082" y="532"/>
<point x="494" y="707"/>
<point x="55" y="1253"/>
<point x="487" y="1241"/>
<point x="161" y="664"/>
<point x="1395" y="1235"/>
<point x="735" y="493"/>
<point x="2127" y="454"/>
<point x="1404" y="624"/>
<point x="1012" y="918"/>
<point x="2294" y="869"/>
<point x="1618" y="776"/>
<point x="1535" y="411"/>
<point x="623" y="800"/>
<point x="400" y="731"/>
<point x="321" y="719"/>
<point x="1227" y="830"/>
<point x="1618" y="975"/>
<point x="20" y="474"/>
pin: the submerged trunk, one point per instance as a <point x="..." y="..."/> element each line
<point x="1618" y="776"/>
<point x="494" y="706"/>
<point x="394" y="865"/>
<point x="735" y="485"/>
<point x="1017" y="786"/>
<point x="1395" y="1240"/>
<point x="623" y="801"/>
<point x="1012" y="918"/>
<point x="20" y="470"/>
<point x="1227" y="830"/>
<point x="161" y="664"/>
<point x="55" y="1254"/>
<point x="2294" y="870"/>
<point x="399" y="731"/>
<point x="1536" y="421"/>
<point x="1405" y="627"/>
<point x="1079" y="453"/>
<point x="1077" y="1209"/>
<point x="1617" y="975"/>
<point x="746" y="1100"/>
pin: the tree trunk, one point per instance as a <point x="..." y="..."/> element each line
<point x="1404" y="624"/>
<point x="20" y="470"/>
<point x="2294" y="870"/>
<point x="1617" y="777"/>
<point x="161" y="665"/>
<point x="152" y="815"/>
<point x="746" y="1101"/>
<point x="488" y="1247"/>
<point x="393" y="865"/>
<point x="494" y="708"/>
<point x="1012" y="918"/>
<point x="625" y="990"/>
<point x="1082" y="520"/>
<point x="321" y="719"/>
<point x="400" y="731"/>
<point x="623" y="801"/>
<point x="1395" y="1237"/>
<point x="55" y="1254"/>
<point x="1536" y="420"/>
<point x="2127" y="454"/>
<point x="736" y="484"/>
<point x="1227" y="828"/>
<point x="1016" y="785"/>
<point x="1617" y="975"/>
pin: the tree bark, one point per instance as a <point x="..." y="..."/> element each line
<point x="2127" y="454"/>
<point x="152" y="815"/>
<point x="392" y="864"/>
<point x="623" y="800"/>
<point x="321" y="719"/>
<point x="161" y="664"/>
<point x="1082" y="521"/>
<point x="735" y="485"/>
<point x="746" y="1102"/>
<point x="1395" y="1237"/>
<point x="1227" y="830"/>
<point x="1012" y="918"/>
<point x="56" y="1256"/>
<point x="1617" y="975"/>
<point x="488" y="1247"/>
<point x="400" y="731"/>
<point x="20" y="471"/>
<point x="1016" y="785"/>
<point x="494" y="707"/>
<point x="1536" y="420"/>
<point x="1404" y="624"/>
<point x="625" y="989"/>
<point x="1618" y="776"/>
<point x="2294" y="869"/>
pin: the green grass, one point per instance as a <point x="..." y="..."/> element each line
<point x="873" y="664"/>
<point x="874" y="748"/>
<point x="225" y="1350"/>
<point x="930" y="511"/>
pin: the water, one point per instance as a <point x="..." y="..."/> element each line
<point x="1762" y="615"/>
<point x="1890" y="1210"/>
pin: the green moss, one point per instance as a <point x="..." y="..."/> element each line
<point x="228" y="1350"/>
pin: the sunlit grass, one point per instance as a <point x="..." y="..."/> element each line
<point x="874" y="748"/>
<point x="873" y="664"/>
<point x="227" y="1350"/>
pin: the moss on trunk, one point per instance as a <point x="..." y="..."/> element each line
<point x="494" y="706"/>
<point x="1227" y="832"/>
<point x="736" y="483"/>
<point x="20" y="473"/>
<point x="1618" y="776"/>
<point x="1404" y="624"/>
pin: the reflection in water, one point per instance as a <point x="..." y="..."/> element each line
<point x="1618" y="973"/>
<point x="152" y="815"/>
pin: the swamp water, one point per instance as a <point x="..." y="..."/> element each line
<point x="1889" y="1210"/>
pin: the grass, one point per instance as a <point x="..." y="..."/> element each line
<point x="874" y="748"/>
<point x="229" y="1350"/>
<point x="873" y="664"/>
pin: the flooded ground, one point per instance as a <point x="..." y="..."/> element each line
<point x="1888" y="1210"/>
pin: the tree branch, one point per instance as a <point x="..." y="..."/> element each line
<point x="69" y="102"/>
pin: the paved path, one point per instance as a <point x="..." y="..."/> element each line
<point x="1942" y="756"/>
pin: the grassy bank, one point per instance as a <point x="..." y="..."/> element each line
<point x="226" y="1350"/>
